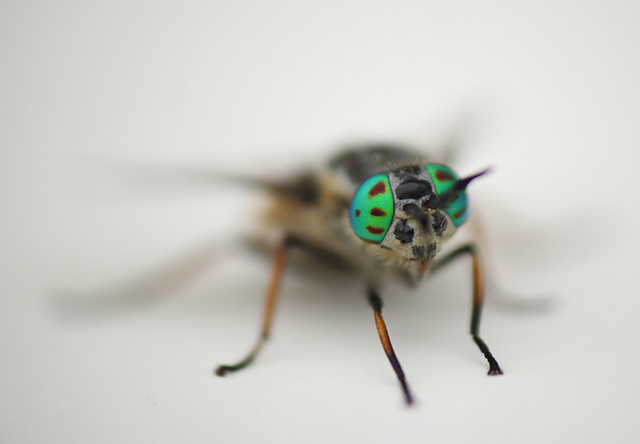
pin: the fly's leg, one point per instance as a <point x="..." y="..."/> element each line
<point x="478" y="299"/>
<point x="376" y="303"/>
<point x="279" y="259"/>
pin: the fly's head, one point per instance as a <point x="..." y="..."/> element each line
<point x="411" y="211"/>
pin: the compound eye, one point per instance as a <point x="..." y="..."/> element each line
<point x="444" y="178"/>
<point x="371" y="209"/>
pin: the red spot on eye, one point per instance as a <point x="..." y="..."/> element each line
<point x="378" y="188"/>
<point x="458" y="214"/>
<point x="357" y="213"/>
<point x="375" y="230"/>
<point x="378" y="212"/>
<point x="443" y="176"/>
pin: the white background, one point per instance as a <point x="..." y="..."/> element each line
<point x="546" y="92"/>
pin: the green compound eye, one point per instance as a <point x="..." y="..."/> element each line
<point x="443" y="178"/>
<point x="371" y="210"/>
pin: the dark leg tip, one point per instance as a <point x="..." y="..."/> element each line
<point x="408" y="398"/>
<point x="495" y="371"/>
<point x="222" y="370"/>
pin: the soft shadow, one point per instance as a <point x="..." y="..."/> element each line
<point x="521" y="304"/>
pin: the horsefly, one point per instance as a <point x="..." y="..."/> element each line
<point x="382" y="209"/>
